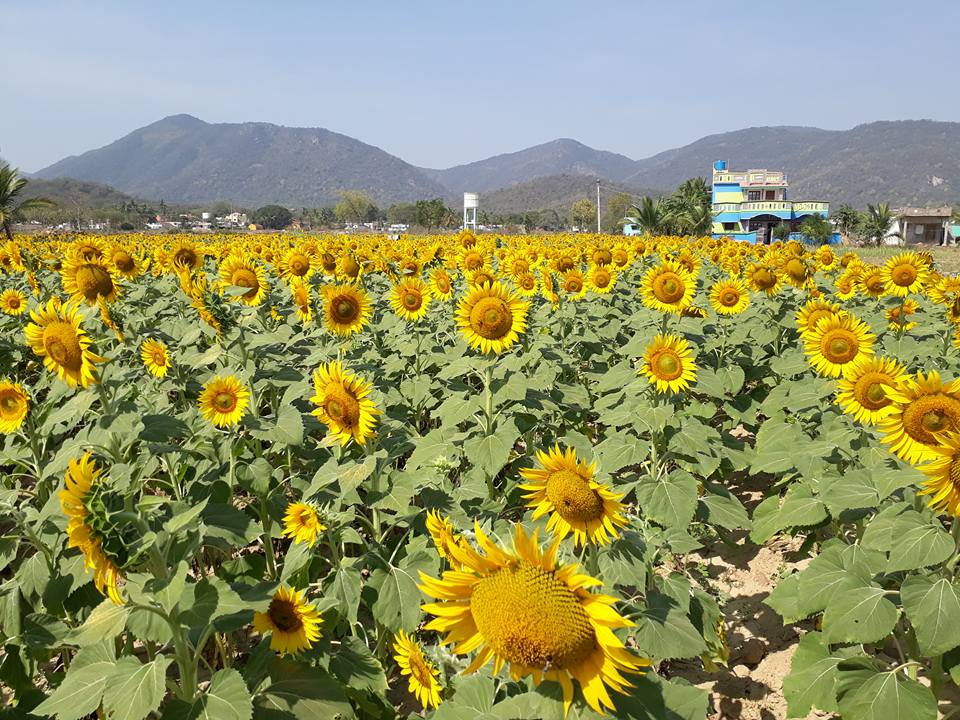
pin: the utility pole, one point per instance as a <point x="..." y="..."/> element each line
<point x="598" y="206"/>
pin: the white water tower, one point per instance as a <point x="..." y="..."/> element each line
<point x="471" y="203"/>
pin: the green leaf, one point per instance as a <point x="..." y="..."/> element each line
<point x="306" y="693"/>
<point x="653" y="698"/>
<point x="812" y="681"/>
<point x="183" y="518"/>
<point x="721" y="508"/>
<point x="933" y="606"/>
<point x="356" y="667"/>
<point x="224" y="521"/>
<point x="671" y="500"/>
<point x="82" y="689"/>
<point x="889" y="696"/>
<point x="134" y="690"/>
<point x="106" y="621"/>
<point x="799" y="509"/>
<point x="785" y="599"/>
<point x="831" y="573"/>
<point x="289" y="428"/>
<point x="227" y="698"/>
<point x="859" y="615"/>
<point x="665" y="632"/>
<point x="398" y="601"/>
<point x="918" y="546"/>
<point x="345" y="587"/>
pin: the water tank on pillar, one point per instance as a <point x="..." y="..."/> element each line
<point x="471" y="203"/>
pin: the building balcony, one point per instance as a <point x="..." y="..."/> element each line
<point x="802" y="208"/>
<point x="751" y="178"/>
<point x="763" y="206"/>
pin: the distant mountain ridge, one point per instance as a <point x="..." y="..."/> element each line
<point x="183" y="159"/>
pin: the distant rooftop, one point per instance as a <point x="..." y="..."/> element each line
<point x="925" y="212"/>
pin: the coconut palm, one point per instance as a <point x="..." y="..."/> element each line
<point x="878" y="221"/>
<point x="11" y="211"/>
<point x="652" y="216"/>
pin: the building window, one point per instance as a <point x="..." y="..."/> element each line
<point x="729" y="226"/>
<point x="918" y="229"/>
<point x="754" y="196"/>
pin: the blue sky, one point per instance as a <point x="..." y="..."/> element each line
<point x="441" y="83"/>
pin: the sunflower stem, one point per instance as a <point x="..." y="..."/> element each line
<point x="268" y="539"/>
<point x="488" y="417"/>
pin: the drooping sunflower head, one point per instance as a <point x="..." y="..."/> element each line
<point x="837" y="341"/>
<point x="302" y="298"/>
<point x="88" y="281"/>
<point x="240" y="272"/>
<point x="863" y="389"/>
<point x="667" y="287"/>
<point x="922" y="409"/>
<point x="56" y="334"/>
<point x="346" y="309"/>
<point x="795" y="270"/>
<point x="410" y="298"/>
<point x="424" y="677"/>
<point x="184" y="255"/>
<point x="904" y="274"/>
<point x="343" y="403"/>
<point x="564" y="487"/>
<point x="127" y="263"/>
<point x="729" y="297"/>
<point x="155" y="357"/>
<point x="82" y="482"/>
<point x="668" y="364"/>
<point x="301" y="523"/>
<point x="810" y="314"/>
<point x="14" y="405"/>
<point x="13" y="302"/>
<point x="293" y="623"/>
<point x="224" y="400"/>
<point x="522" y="609"/>
<point x="897" y="315"/>
<point x="492" y="317"/>
<point x="574" y="284"/>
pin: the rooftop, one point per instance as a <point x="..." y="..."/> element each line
<point x="925" y="212"/>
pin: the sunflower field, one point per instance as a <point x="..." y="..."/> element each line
<point x="460" y="477"/>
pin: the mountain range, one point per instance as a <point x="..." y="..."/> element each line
<point x="182" y="159"/>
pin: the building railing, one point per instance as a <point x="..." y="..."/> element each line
<point x="725" y="207"/>
<point x="751" y="178"/>
<point x="767" y="206"/>
<point x="811" y="207"/>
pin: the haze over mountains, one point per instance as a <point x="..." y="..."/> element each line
<point x="182" y="159"/>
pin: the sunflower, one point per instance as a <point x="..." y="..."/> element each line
<point x="13" y="302"/>
<point x="923" y="407"/>
<point x="837" y="341"/>
<point x="88" y="280"/>
<point x="296" y="264"/>
<point x="904" y="274"/>
<point x="410" y="298"/>
<point x="729" y="297"/>
<point x="796" y="270"/>
<point x="862" y="391"/>
<point x="343" y="403"/>
<point x="424" y="684"/>
<point x="898" y="314"/>
<point x="440" y="284"/>
<point x="762" y="277"/>
<point x="57" y="335"/>
<point x="223" y="400"/>
<point x="302" y="298"/>
<point x="346" y="309"/>
<point x="667" y="287"/>
<point x="238" y="271"/>
<point x="870" y="281"/>
<point x="526" y="284"/>
<point x="810" y="314"/>
<point x="573" y="284"/>
<point x="126" y="264"/>
<point x="523" y="609"/>
<point x="443" y="534"/>
<point x="846" y="284"/>
<point x="80" y="484"/>
<point x="943" y="475"/>
<point x="14" y="405"/>
<point x="184" y="255"/>
<point x="302" y="523"/>
<point x="492" y="317"/>
<point x="155" y="357"/>
<point x="293" y="623"/>
<point x="668" y="363"/>
<point x="578" y="504"/>
<point x="601" y="279"/>
<point x="348" y="267"/>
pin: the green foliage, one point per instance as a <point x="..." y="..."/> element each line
<point x="272" y="217"/>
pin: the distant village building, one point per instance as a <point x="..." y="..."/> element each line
<point x="749" y="204"/>
<point x="925" y="226"/>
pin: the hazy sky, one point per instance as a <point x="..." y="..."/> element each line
<point x="441" y="83"/>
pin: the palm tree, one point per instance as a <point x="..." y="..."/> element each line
<point x="694" y="220"/>
<point x="878" y="221"/>
<point x="11" y="211"/>
<point x="652" y="216"/>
